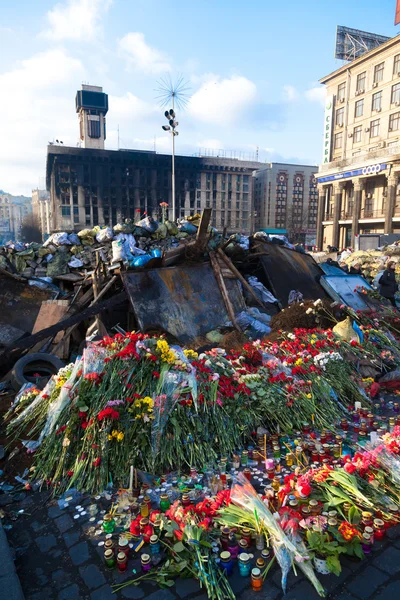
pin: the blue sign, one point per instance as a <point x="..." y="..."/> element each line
<point x="370" y="170"/>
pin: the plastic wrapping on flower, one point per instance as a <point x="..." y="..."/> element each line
<point x="56" y="408"/>
<point x="45" y="392"/>
<point x="93" y="359"/>
<point x="22" y="391"/>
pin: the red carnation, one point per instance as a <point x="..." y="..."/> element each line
<point x="97" y="462"/>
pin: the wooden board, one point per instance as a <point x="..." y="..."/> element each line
<point x="50" y="313"/>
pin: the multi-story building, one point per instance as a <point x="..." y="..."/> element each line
<point x="285" y="201"/>
<point x="358" y="181"/>
<point x="41" y="210"/>
<point x="13" y="210"/>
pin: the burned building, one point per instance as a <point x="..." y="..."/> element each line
<point x="91" y="186"/>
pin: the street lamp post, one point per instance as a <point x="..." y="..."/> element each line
<point x="171" y="127"/>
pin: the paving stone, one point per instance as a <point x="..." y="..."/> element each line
<point x="54" y="512"/>
<point x="71" y="538"/>
<point x="133" y="592"/>
<point x="303" y="591"/>
<point x="184" y="587"/>
<point x="269" y="592"/>
<point x="103" y="593"/>
<point x="393" y="533"/>
<point x="69" y="593"/>
<point x="92" y="576"/>
<point x="55" y="553"/>
<point x="79" y="553"/>
<point x="390" y="592"/>
<point x="238" y="583"/>
<point x="367" y="582"/>
<point x="389" y="561"/>
<point x="353" y="565"/>
<point x="40" y="576"/>
<point x="38" y="527"/>
<point x="292" y="578"/>
<point x="46" y="542"/>
<point x="345" y="595"/>
<point x="159" y="595"/>
<point x="333" y="582"/>
<point x="61" y="579"/>
<point x="64" y="523"/>
<point x="45" y="592"/>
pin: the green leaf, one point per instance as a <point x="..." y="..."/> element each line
<point x="333" y="564"/>
<point x="182" y="565"/>
<point x="169" y="582"/>
<point x="83" y="408"/>
<point x="178" y="547"/>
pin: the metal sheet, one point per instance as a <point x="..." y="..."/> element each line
<point x="185" y="301"/>
<point x="287" y="270"/>
<point x="341" y="289"/>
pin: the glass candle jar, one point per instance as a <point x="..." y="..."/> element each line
<point x="396" y="407"/>
<point x="370" y="531"/>
<point x="271" y="473"/>
<point x="144" y="509"/>
<point x="109" y="545"/>
<point x="165" y="504"/>
<point x="332" y="523"/>
<point x="276" y="452"/>
<point x="109" y="558"/>
<point x="244" y="458"/>
<point x="145" y="563"/>
<point x="233" y="546"/>
<point x="366" y="543"/>
<point x="276" y="484"/>
<point x="123" y="546"/>
<point x="108" y="523"/>
<point x="247" y="473"/>
<point x="260" y="563"/>
<point x="266" y="554"/>
<point x="243" y="545"/>
<point x="305" y="511"/>
<point x="366" y="519"/>
<point x="314" y="507"/>
<point x="235" y="461"/>
<point x="155" y="545"/>
<point x="225" y="531"/>
<point x="246" y="535"/>
<point x="244" y="564"/>
<point x="122" y="561"/>
<point x="379" y="529"/>
<point x="256" y="580"/>
<point x="336" y="450"/>
<point x="314" y="456"/>
<point x="226" y="562"/>
<point x="289" y="458"/>
<point x="260" y="541"/>
<point x="185" y="500"/>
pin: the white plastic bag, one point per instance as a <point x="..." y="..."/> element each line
<point x="61" y="239"/>
<point x="104" y="235"/>
<point x="75" y="263"/>
<point x="118" y="251"/>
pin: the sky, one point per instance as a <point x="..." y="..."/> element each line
<point x="252" y="69"/>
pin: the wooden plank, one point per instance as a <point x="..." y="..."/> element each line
<point x="202" y="232"/>
<point x="234" y="270"/>
<point x="51" y="311"/>
<point x="91" y="311"/>
<point x="74" y="277"/>
<point x="222" y="288"/>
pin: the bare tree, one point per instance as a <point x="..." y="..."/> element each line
<point x="30" y="229"/>
<point x="296" y="224"/>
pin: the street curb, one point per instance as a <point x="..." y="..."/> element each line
<point x="10" y="585"/>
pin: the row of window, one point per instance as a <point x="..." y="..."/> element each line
<point x="373" y="130"/>
<point x="362" y="77"/>
<point x="376" y="104"/>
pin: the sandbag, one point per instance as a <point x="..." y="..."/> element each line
<point x="61" y="239"/>
<point x="171" y="227"/>
<point x="85" y="233"/>
<point x="186" y="227"/>
<point x="74" y="239"/>
<point x="124" y="227"/>
<point x="118" y="253"/>
<point x="59" y="265"/>
<point x="149" y="224"/>
<point x="161" y="232"/>
<point x="104" y="235"/>
<point x="345" y="331"/>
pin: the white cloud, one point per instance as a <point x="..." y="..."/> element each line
<point x="38" y="106"/>
<point x="222" y="101"/>
<point x="129" y="107"/>
<point x="289" y="93"/>
<point x="75" y="20"/>
<point x="5" y="29"/>
<point x="316" y="94"/>
<point x="140" y="56"/>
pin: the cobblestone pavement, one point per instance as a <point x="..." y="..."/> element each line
<point x="56" y="559"/>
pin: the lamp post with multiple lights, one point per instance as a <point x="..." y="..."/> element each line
<point x="171" y="127"/>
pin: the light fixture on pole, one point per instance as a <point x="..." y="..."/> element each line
<point x="170" y="116"/>
<point x="174" y="93"/>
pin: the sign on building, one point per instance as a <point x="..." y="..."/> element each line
<point x="328" y="126"/>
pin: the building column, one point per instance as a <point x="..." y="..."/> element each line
<point x="390" y="202"/>
<point x="320" y="216"/>
<point x="359" y="185"/>
<point x="338" y="188"/>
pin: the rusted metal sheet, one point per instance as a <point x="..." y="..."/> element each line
<point x="287" y="270"/>
<point x="184" y="301"/>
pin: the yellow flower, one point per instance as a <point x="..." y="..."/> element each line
<point x="110" y="437"/>
<point x="120" y="436"/>
<point x="308" y="396"/>
<point x="137" y="403"/>
<point x="299" y="362"/>
<point x="138" y="417"/>
<point x="114" y="433"/>
<point x="150" y="409"/>
<point x="190" y="354"/>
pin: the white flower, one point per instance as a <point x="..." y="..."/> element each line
<point x="291" y="336"/>
<point x="317" y="302"/>
<point x="309" y="311"/>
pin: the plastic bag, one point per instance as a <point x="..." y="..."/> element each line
<point x="345" y="331"/>
<point x="261" y="290"/>
<point x="75" y="263"/>
<point x="244" y="321"/>
<point x="161" y="232"/>
<point x="140" y="261"/>
<point x="61" y="239"/>
<point x="74" y="239"/>
<point x="118" y="252"/>
<point x="156" y="253"/>
<point x="104" y="235"/>
<point x="84" y="233"/>
<point x="93" y="359"/>
<point x="260" y="316"/>
<point x="295" y="297"/>
<point x="171" y="227"/>
<point x="186" y="227"/>
<point x="123" y="228"/>
<point x="149" y="224"/>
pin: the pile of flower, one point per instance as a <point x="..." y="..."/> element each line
<point x="135" y="400"/>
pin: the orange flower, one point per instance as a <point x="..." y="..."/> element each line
<point x="348" y="531"/>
